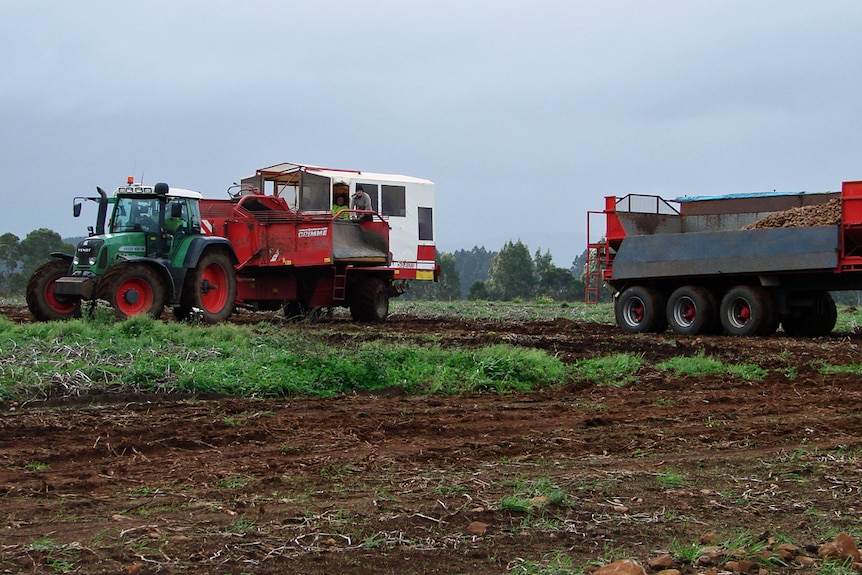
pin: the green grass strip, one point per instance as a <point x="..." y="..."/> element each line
<point x="51" y="359"/>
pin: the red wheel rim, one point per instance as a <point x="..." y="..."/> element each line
<point x="638" y="311"/>
<point x="688" y="312"/>
<point x="134" y="297"/>
<point x="57" y="305"/>
<point x="213" y="288"/>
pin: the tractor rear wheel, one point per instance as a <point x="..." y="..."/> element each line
<point x="370" y="301"/>
<point x="210" y="287"/>
<point x="133" y="289"/>
<point x="43" y="304"/>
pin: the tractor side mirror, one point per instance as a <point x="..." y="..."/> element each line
<point x="176" y="210"/>
<point x="76" y="209"/>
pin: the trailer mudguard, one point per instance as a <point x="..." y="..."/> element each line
<point x="727" y="253"/>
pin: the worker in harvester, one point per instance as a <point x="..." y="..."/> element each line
<point x="339" y="209"/>
<point x="361" y="201"/>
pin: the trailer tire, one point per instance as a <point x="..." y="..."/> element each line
<point x="43" y="304"/>
<point x="132" y="290"/>
<point x="370" y="302"/>
<point x="691" y="310"/>
<point x="819" y="321"/>
<point x="748" y="311"/>
<point x="640" y="310"/>
<point x="210" y="287"/>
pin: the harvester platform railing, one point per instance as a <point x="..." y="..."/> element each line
<point x="645" y="204"/>
<point x="601" y="247"/>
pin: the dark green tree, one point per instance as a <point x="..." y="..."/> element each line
<point x="513" y="273"/>
<point x="560" y="285"/>
<point x="472" y="266"/>
<point x="479" y="291"/>
<point x="33" y="251"/>
<point x="447" y="289"/>
<point x="557" y="283"/>
<point x="10" y="264"/>
<point x="544" y="262"/>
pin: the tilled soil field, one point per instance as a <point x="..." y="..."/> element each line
<point x="700" y="474"/>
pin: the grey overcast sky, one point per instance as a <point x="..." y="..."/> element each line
<point x="524" y="114"/>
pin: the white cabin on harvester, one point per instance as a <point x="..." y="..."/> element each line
<point x="405" y="202"/>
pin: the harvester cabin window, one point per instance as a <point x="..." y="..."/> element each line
<point x="314" y="194"/>
<point x="392" y="201"/>
<point x="426" y="224"/>
<point x="371" y="190"/>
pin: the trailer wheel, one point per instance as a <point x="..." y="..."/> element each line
<point x="133" y="289"/>
<point x="691" y="311"/>
<point x="816" y="321"/>
<point x="370" y="301"/>
<point x="43" y="304"/>
<point x="748" y="311"/>
<point x="209" y="287"/>
<point x="639" y="310"/>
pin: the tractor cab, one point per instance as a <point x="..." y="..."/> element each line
<point x="159" y="213"/>
<point x="146" y="222"/>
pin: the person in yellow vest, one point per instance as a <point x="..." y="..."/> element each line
<point x="339" y="209"/>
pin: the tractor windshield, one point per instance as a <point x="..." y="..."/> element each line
<point x="135" y="215"/>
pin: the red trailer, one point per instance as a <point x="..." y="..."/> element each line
<point x="702" y="265"/>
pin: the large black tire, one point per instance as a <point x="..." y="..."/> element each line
<point x="748" y="311"/>
<point x="294" y="310"/>
<point x="816" y="321"/>
<point x="132" y="290"/>
<point x="691" y="310"/>
<point x="210" y="287"/>
<point x="370" y="300"/>
<point x="43" y="304"/>
<point x="640" y="310"/>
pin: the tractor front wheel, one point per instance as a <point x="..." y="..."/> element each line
<point x="43" y="304"/>
<point x="133" y="289"/>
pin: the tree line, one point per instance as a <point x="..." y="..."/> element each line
<point x="19" y="258"/>
<point x="511" y="273"/>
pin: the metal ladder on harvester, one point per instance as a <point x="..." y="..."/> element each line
<point x="596" y="263"/>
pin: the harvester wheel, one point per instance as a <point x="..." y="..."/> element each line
<point x="748" y="311"/>
<point x="816" y="321"/>
<point x="691" y="311"/>
<point x="133" y="289"/>
<point x="209" y="287"/>
<point x="370" y="301"/>
<point x="294" y="310"/>
<point x="43" y="304"/>
<point x="640" y="310"/>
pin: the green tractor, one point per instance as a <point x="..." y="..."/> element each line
<point x="149" y="254"/>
